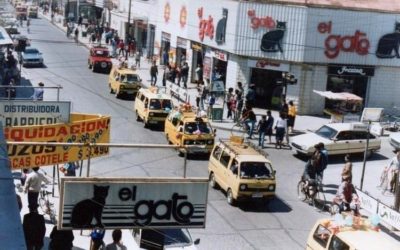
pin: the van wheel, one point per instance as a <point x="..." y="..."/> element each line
<point x="117" y="94"/>
<point x="111" y="90"/>
<point x="146" y="124"/>
<point x="229" y="197"/>
<point x="167" y="137"/>
<point x="137" y="117"/>
<point x="213" y="182"/>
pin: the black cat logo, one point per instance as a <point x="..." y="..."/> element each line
<point x="389" y="43"/>
<point x="271" y="41"/>
<point x="221" y="28"/>
<point x="85" y="211"/>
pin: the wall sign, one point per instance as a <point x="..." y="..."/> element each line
<point x="334" y="44"/>
<point x="167" y="12"/>
<point x="388" y="45"/>
<point x="263" y="22"/>
<point x="24" y="113"/>
<point x="220" y="55"/>
<point x="350" y="70"/>
<point x="133" y="203"/>
<point x="221" y="28"/>
<point x="206" y="26"/>
<point x="268" y="64"/>
<point x="183" y="16"/>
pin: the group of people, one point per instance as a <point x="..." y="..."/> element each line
<point x="176" y="74"/>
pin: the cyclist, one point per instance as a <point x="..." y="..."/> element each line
<point x="33" y="185"/>
<point x="347" y="198"/>
<point x="312" y="172"/>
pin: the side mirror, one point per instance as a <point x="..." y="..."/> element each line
<point x="196" y="242"/>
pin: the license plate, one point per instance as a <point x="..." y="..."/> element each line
<point x="257" y="195"/>
<point x="130" y="91"/>
<point x="153" y="122"/>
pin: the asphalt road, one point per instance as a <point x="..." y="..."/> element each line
<point x="284" y="223"/>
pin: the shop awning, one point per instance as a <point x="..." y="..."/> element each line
<point x="342" y="96"/>
<point x="4" y="37"/>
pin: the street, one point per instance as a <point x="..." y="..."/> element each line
<point x="284" y="223"/>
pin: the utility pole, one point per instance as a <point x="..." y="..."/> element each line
<point x="127" y="28"/>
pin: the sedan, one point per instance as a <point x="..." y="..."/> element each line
<point x="31" y="57"/>
<point x="339" y="138"/>
<point x="394" y="140"/>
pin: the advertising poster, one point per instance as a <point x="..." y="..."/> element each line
<point x="133" y="203"/>
<point x="83" y="128"/>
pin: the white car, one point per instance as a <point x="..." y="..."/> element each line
<point x="394" y="140"/>
<point x="339" y="138"/>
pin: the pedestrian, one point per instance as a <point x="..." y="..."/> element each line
<point x="393" y="171"/>
<point x="211" y="102"/>
<point x="76" y="34"/>
<point x="233" y="106"/>
<point x="319" y="159"/>
<point x="38" y="92"/>
<point x="249" y="119"/>
<point x="33" y="185"/>
<point x="280" y="130"/>
<point x="198" y="97"/>
<point x="239" y="103"/>
<point x="270" y="124"/>
<point x="204" y="93"/>
<point x="97" y="236"/>
<point x="19" y="202"/>
<point x="199" y="74"/>
<point x="284" y="107"/>
<point x="80" y="19"/>
<point x="61" y="239"/>
<point x="11" y="91"/>
<point x="28" y="24"/>
<point x="117" y="244"/>
<point x="34" y="229"/>
<point x="93" y="38"/>
<point x="178" y="75"/>
<point x="121" y="47"/>
<point x="137" y="59"/>
<point x="165" y="75"/>
<point x="347" y="169"/>
<point x="291" y="117"/>
<point x="251" y="95"/>
<point x="69" y="169"/>
<point x="262" y="129"/>
<point x="185" y="74"/>
<point x="228" y="99"/>
<point x="153" y="74"/>
<point x="114" y="47"/>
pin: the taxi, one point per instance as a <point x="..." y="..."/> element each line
<point x="242" y="171"/>
<point x="349" y="233"/>
<point x="338" y="138"/>
<point x="152" y="107"/>
<point x="184" y="127"/>
<point x="123" y="81"/>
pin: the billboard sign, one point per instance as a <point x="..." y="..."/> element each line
<point x="133" y="203"/>
<point x="27" y="113"/>
<point x="83" y="128"/>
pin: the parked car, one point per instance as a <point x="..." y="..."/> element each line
<point x="394" y="140"/>
<point x="339" y="138"/>
<point x="99" y="59"/>
<point x="31" y="57"/>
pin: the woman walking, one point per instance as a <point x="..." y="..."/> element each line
<point x="280" y="127"/>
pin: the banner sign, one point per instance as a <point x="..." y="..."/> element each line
<point x="28" y="113"/>
<point x="133" y="203"/>
<point x="389" y="215"/>
<point x="83" y="128"/>
<point x="367" y="202"/>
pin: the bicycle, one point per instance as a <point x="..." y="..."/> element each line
<point x="313" y="193"/>
<point x="45" y="205"/>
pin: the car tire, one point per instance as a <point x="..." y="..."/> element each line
<point x="229" y="197"/>
<point x="213" y="182"/>
<point x="93" y="69"/>
<point x="89" y="65"/>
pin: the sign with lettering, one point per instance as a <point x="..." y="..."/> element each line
<point x="367" y="202"/>
<point x="389" y="215"/>
<point x="350" y="70"/>
<point x="83" y="128"/>
<point x="268" y="64"/>
<point x="27" y="113"/>
<point x="133" y="203"/>
<point x="334" y="44"/>
<point x="206" y="25"/>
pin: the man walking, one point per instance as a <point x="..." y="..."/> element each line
<point x="153" y="74"/>
<point x="185" y="74"/>
<point x="33" y="185"/>
<point x="116" y="245"/>
<point x="38" y="92"/>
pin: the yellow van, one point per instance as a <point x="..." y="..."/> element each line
<point x="184" y="127"/>
<point x="152" y="107"/>
<point x="360" y="235"/>
<point x="242" y="171"/>
<point x="123" y="81"/>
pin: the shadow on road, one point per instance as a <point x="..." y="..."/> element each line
<point x="275" y="205"/>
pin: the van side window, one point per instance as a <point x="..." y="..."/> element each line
<point x="338" y="244"/>
<point x="217" y="152"/>
<point x="142" y="98"/>
<point x="225" y="158"/>
<point x="321" y="235"/>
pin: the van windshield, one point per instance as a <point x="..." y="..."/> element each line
<point x="255" y="170"/>
<point x="157" y="104"/>
<point x="198" y="127"/>
<point x="129" y="78"/>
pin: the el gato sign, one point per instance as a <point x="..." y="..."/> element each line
<point x="83" y="128"/>
<point x="133" y="203"/>
<point x="206" y="25"/>
<point x="334" y="44"/>
<point x="263" y="22"/>
<point x="24" y="113"/>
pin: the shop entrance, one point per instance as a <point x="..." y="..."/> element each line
<point x="165" y="47"/>
<point x="219" y="70"/>
<point x="268" y="88"/>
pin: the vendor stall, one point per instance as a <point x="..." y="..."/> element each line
<point x="343" y="106"/>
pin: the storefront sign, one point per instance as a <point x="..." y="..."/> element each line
<point x="367" y="202"/>
<point x="181" y="43"/>
<point x="220" y="55"/>
<point x="206" y="25"/>
<point x="165" y="37"/>
<point x="183" y="16"/>
<point x="26" y="113"/>
<point x="268" y="64"/>
<point x="389" y="216"/>
<point x="167" y="12"/>
<point x="84" y="128"/>
<point x="350" y="70"/>
<point x="263" y="22"/>
<point x="133" y="203"/>
<point x="334" y="44"/>
<point x="197" y="47"/>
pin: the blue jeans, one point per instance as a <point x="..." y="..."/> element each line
<point x="155" y="79"/>
<point x="261" y="136"/>
<point x="250" y="124"/>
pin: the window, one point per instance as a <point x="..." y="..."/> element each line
<point x="217" y="152"/>
<point x="326" y="132"/>
<point x="345" y="135"/>
<point x="225" y="158"/>
<point x="321" y="235"/>
<point x="362" y="135"/>
<point x="338" y="244"/>
<point x="142" y="98"/>
<point x="257" y="170"/>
